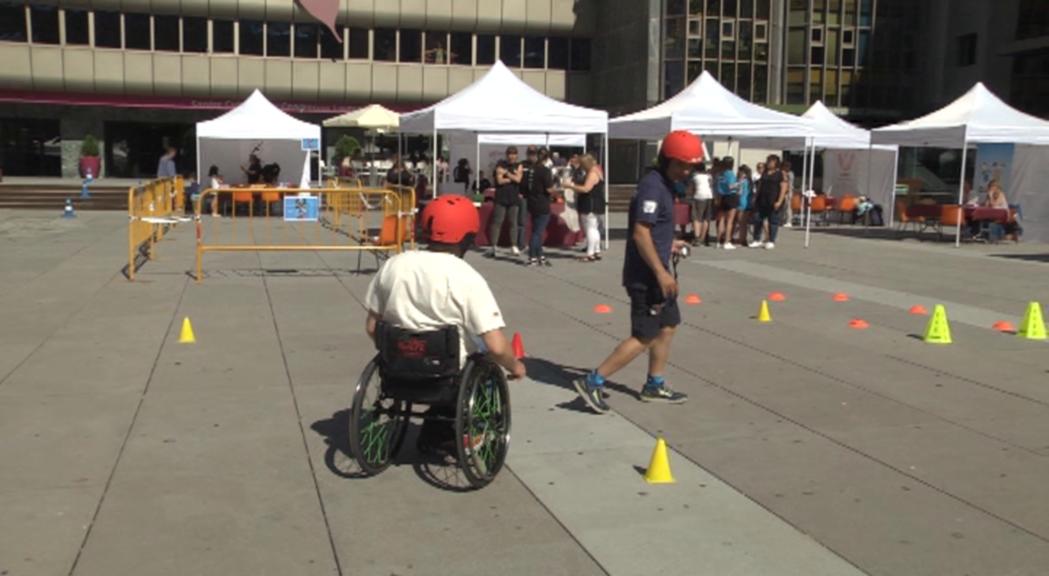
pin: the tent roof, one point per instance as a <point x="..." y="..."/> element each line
<point x="257" y="119"/>
<point x="978" y="116"/>
<point x="499" y="101"/>
<point x="705" y="107"/>
<point x="832" y="131"/>
<point x="374" y="116"/>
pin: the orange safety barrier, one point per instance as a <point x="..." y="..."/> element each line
<point x="347" y="219"/>
<point x="152" y="208"/>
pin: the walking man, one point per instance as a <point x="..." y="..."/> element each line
<point x="647" y="276"/>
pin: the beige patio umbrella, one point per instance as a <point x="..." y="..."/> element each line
<point x="375" y="118"/>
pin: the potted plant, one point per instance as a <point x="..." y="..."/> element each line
<point x="90" y="161"/>
<point x="345" y="147"/>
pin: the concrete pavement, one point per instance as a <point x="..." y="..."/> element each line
<point x="806" y="447"/>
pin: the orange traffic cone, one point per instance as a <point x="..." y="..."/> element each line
<point x="919" y="310"/>
<point x="1004" y="326"/>
<point x="602" y="309"/>
<point x="859" y="324"/>
<point x="693" y="299"/>
<point x="518" y="346"/>
<point x="841" y="297"/>
<point x="777" y="297"/>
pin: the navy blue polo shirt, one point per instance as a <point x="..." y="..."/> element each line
<point x="652" y="204"/>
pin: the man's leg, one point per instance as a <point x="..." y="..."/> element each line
<point x="496" y="226"/>
<point x="522" y="217"/>
<point x="773" y="224"/>
<point x="655" y="389"/>
<point x="624" y="354"/>
<point x="514" y="213"/>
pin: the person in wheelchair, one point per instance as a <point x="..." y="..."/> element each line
<point x="434" y="290"/>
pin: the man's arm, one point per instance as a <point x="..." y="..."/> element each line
<point x="500" y="175"/>
<point x="500" y="352"/>
<point x="783" y="186"/>
<point x="646" y="247"/>
<point x="372" y="324"/>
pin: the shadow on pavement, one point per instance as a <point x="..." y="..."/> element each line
<point x="552" y="374"/>
<point x="1042" y="258"/>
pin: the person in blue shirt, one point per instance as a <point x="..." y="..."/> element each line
<point x="746" y="200"/>
<point x="647" y="276"/>
<point x="728" y="203"/>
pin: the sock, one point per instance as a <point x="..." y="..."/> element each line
<point x="595" y="380"/>
<point x="654" y="381"/>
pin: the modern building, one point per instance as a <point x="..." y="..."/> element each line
<point x="139" y="75"/>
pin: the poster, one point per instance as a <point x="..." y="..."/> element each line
<point x="993" y="162"/>
<point x="302" y="208"/>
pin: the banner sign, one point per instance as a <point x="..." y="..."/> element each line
<point x="301" y="208"/>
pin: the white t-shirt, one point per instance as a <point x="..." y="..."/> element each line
<point x="701" y="182"/>
<point x="428" y="290"/>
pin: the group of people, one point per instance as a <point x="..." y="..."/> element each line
<point x="735" y="200"/>
<point x="524" y="191"/>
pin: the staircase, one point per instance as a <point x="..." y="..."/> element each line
<point x="53" y="197"/>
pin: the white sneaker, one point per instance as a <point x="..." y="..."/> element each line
<point x="788" y="225"/>
<point x="729" y="246"/>
<point x="755" y="244"/>
<point x="770" y="246"/>
<point x="516" y="251"/>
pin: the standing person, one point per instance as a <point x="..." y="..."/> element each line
<point x="540" y="189"/>
<point x="702" y="205"/>
<point x="508" y="177"/>
<point x="590" y="201"/>
<point x="462" y="174"/>
<point x="647" y="276"/>
<point x="253" y="171"/>
<point x="728" y="202"/>
<point x="215" y="182"/>
<point x="772" y="193"/>
<point x="398" y="175"/>
<point x="746" y="201"/>
<point x="522" y="207"/>
<point x="788" y="211"/>
<point x="759" y="170"/>
<point x="166" y="164"/>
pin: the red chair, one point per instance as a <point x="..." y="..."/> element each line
<point x="847" y="204"/>
<point x="951" y="216"/>
<point x="818" y="207"/>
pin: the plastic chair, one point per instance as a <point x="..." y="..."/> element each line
<point x="847" y="204"/>
<point x="818" y="206"/>
<point x="904" y="219"/>
<point x="269" y="198"/>
<point x="242" y="198"/>
<point x="951" y="216"/>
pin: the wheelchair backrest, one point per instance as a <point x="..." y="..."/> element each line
<point x="414" y="355"/>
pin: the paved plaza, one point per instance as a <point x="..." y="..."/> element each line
<point x="807" y="448"/>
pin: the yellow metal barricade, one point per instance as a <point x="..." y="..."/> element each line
<point x="406" y="194"/>
<point x="352" y="219"/>
<point x="152" y="208"/>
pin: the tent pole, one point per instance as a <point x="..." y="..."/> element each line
<point x="810" y="168"/>
<point x="892" y="184"/>
<point x="433" y="163"/>
<point x="607" y="169"/>
<point x="477" y="166"/>
<point x="961" y="187"/>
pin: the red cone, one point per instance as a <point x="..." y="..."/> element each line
<point x="919" y="310"/>
<point x="841" y="297"/>
<point x="602" y="309"/>
<point x="859" y="324"/>
<point x="777" y="297"/>
<point x="1004" y="326"/>
<point x="518" y="346"/>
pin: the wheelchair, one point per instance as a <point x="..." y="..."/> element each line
<point x="423" y="368"/>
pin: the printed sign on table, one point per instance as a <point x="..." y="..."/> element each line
<point x="303" y="208"/>
<point x="311" y="144"/>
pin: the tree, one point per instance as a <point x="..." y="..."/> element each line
<point x="89" y="147"/>
<point x="345" y="146"/>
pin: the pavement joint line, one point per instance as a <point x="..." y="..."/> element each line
<point x="805" y="427"/>
<point x="131" y="426"/>
<point x="71" y="256"/>
<point x="298" y="420"/>
<point x="61" y="325"/>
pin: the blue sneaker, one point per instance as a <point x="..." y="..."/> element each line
<point x="591" y="392"/>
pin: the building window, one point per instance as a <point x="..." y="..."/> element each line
<point x="411" y="46"/>
<point x="534" y="52"/>
<point x="799" y="12"/>
<point x="194" y="34"/>
<point x="278" y="39"/>
<point x="136" y="32"/>
<point x="848" y="38"/>
<point x="761" y="83"/>
<point x="12" y="22"/>
<point x="358" y="43"/>
<point x="866" y="12"/>
<point x="694" y="69"/>
<point x="967" y="50"/>
<point x="817" y="55"/>
<point x="107" y="29"/>
<point x="815" y="85"/>
<point x="862" y="49"/>
<point x="45" y="24"/>
<point x="385" y="45"/>
<point x="252" y="37"/>
<point x="816" y="35"/>
<point x="510" y="50"/>
<point x="436" y="48"/>
<point x="695" y="27"/>
<point x="222" y="36"/>
<point x="743" y="81"/>
<point x="713" y="38"/>
<point x="462" y="49"/>
<point x="796" y="46"/>
<point x="746" y="40"/>
<point x="761" y="32"/>
<point x="763" y="12"/>
<point x="673" y="78"/>
<point x="557" y="53"/>
<point x="728" y="76"/>
<point x="485" y="49"/>
<point x="29" y="146"/>
<point x="729" y="8"/>
<point x="761" y="52"/>
<point x="714" y="10"/>
<point x="165" y="33"/>
<point x="306" y="40"/>
<point x="76" y="27"/>
<point x="675" y="7"/>
<point x="331" y="47"/>
<point x="674" y="38"/>
<point x="581" y="54"/>
<point x="746" y="8"/>
<point x="728" y="30"/>
<point x="695" y="7"/>
<point x="796" y="86"/>
<point x="1033" y="20"/>
<point x="695" y="48"/>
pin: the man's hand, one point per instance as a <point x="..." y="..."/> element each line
<point x="680" y="247"/>
<point x="518" y="371"/>
<point x="667" y="285"/>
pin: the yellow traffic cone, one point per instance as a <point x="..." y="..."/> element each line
<point x="1033" y="325"/>
<point x="763" y="314"/>
<point x="938" y="330"/>
<point x="186" y="335"/>
<point x="659" y="467"/>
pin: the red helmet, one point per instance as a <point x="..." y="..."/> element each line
<point x="450" y="219"/>
<point x="684" y="146"/>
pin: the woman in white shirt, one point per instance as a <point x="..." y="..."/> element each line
<point x="215" y="181"/>
<point x="702" y="205"/>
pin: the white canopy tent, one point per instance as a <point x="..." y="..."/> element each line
<point x="841" y="142"/>
<point x="501" y="103"/>
<point x="486" y="149"/>
<point x="374" y="118"/>
<point x="977" y="117"/>
<point x="260" y="127"/>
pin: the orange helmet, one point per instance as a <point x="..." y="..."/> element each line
<point x="684" y="146"/>
<point x="451" y="219"/>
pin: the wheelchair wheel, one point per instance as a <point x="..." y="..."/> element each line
<point x="482" y="421"/>
<point x="377" y="423"/>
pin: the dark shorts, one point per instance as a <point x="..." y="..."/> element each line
<point x="702" y="210"/>
<point x="728" y="202"/>
<point x="649" y="314"/>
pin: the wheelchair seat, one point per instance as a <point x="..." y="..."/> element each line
<point x="419" y="366"/>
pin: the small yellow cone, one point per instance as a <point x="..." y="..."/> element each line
<point x="763" y="314"/>
<point x="659" y="467"/>
<point x="938" y="331"/>
<point x="1033" y="325"/>
<point x="186" y="335"/>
